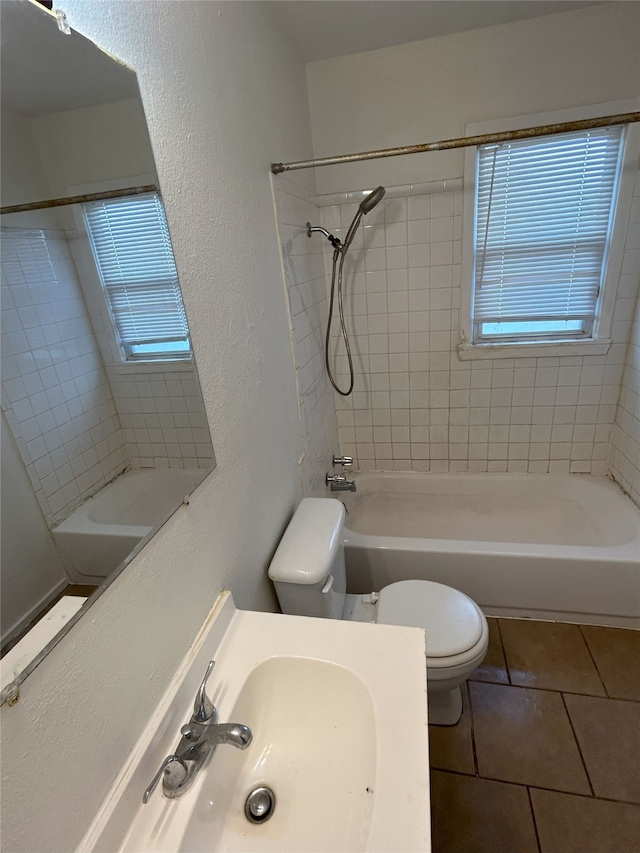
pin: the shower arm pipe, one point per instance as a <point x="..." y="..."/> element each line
<point x="78" y="199"/>
<point x="461" y="142"/>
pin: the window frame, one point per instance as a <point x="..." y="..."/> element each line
<point x="95" y="296"/>
<point x="126" y="348"/>
<point x="599" y="341"/>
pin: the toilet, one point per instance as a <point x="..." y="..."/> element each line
<point x="309" y="575"/>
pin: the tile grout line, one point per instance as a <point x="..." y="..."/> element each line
<point x="552" y="690"/>
<point x="533" y="818"/>
<point x="504" y="652"/>
<point x="577" y="742"/>
<point x="586" y="642"/>
<point x="473" y="734"/>
<point x="536" y="787"/>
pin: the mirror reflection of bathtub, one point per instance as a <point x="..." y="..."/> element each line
<point x="120" y="518"/>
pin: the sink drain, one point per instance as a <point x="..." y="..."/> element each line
<point x="260" y="804"/>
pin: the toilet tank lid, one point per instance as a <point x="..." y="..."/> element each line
<point x="310" y="543"/>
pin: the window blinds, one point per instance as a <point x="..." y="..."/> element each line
<point x="133" y="252"/>
<point x="543" y="218"/>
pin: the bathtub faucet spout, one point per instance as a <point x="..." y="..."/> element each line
<point x="338" y="483"/>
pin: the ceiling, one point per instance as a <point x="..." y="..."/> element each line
<point x="45" y="71"/>
<point x="322" y="29"/>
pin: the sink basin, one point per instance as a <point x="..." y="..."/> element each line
<point x="314" y="745"/>
<point x="338" y="712"/>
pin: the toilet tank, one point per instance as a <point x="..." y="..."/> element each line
<point x="308" y="569"/>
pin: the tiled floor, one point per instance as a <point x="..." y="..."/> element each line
<point x="546" y="757"/>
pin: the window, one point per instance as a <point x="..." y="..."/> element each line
<point x="544" y="212"/>
<point x="544" y="229"/>
<point x="133" y="254"/>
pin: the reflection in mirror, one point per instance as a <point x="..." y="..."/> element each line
<point x="104" y="429"/>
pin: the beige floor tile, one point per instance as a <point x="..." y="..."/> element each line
<point x="493" y="667"/>
<point x="471" y="815"/>
<point x="524" y="736"/>
<point x="550" y="655"/>
<point x="569" y="824"/>
<point x="616" y="652"/>
<point x="451" y="747"/>
<point x="608" y="732"/>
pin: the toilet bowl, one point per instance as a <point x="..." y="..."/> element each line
<point x="309" y="575"/>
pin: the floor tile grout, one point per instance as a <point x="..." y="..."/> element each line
<point x="465" y="744"/>
<point x="533" y="818"/>
<point x="586" y="642"/>
<point x="551" y="690"/>
<point x="473" y="735"/>
<point x="504" y="652"/>
<point x="535" y="787"/>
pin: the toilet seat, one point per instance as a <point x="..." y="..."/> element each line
<point x="454" y="623"/>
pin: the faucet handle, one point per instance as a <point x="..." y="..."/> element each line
<point x="345" y="461"/>
<point x="175" y="778"/>
<point x="203" y="708"/>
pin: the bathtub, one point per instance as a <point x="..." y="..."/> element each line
<point x="101" y="533"/>
<point x="545" y="546"/>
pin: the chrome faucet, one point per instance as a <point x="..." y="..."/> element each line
<point x="199" y="739"/>
<point x="345" y="461"/>
<point x="338" y="483"/>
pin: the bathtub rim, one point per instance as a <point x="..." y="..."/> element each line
<point x="629" y="549"/>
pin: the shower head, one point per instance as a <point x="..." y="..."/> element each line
<point x="367" y="204"/>
<point x="371" y="200"/>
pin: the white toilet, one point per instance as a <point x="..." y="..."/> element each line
<point x="308" y="571"/>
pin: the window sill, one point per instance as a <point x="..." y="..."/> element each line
<point x="470" y="352"/>
<point x="182" y="366"/>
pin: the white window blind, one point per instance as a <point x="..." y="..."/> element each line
<point x="543" y="221"/>
<point x="135" y="260"/>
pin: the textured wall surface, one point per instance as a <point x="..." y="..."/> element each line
<point x="224" y="96"/>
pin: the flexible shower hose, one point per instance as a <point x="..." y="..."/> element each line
<point x="338" y="254"/>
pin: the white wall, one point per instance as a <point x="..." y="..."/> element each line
<point x="224" y="96"/>
<point x="31" y="568"/>
<point x="94" y="144"/>
<point x="308" y="306"/>
<point x="429" y="90"/>
<point x="416" y="406"/>
<point x="23" y="178"/>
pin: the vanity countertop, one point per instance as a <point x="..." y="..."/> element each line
<point x="338" y="712"/>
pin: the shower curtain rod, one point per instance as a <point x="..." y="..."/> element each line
<point x="461" y="142"/>
<point x="78" y="199"/>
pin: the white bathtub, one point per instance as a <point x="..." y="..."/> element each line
<point x="562" y="547"/>
<point x="102" y="532"/>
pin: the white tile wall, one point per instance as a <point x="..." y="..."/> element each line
<point x="163" y="417"/>
<point x="161" y="411"/>
<point x="55" y="391"/>
<point x="77" y="426"/>
<point x="415" y="405"/>
<point x="307" y="299"/>
<point x="625" y="440"/>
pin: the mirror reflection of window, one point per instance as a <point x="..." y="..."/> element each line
<point x="133" y="254"/>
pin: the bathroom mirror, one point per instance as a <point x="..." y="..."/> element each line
<point x="104" y="430"/>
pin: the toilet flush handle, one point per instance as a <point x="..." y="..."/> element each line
<point x="328" y="584"/>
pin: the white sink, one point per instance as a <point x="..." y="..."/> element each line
<point x="339" y="720"/>
<point x="314" y="745"/>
